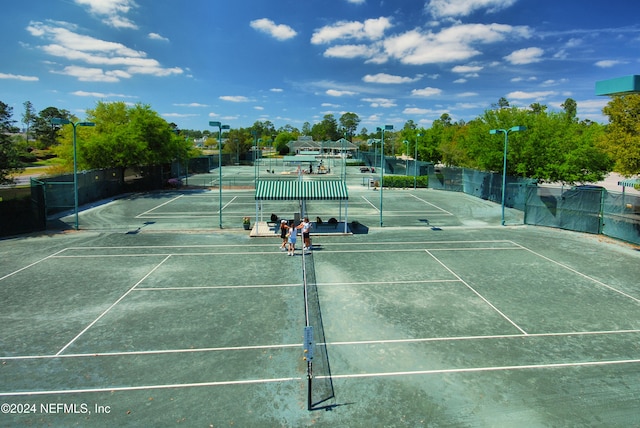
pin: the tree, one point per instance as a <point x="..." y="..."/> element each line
<point x="551" y="149"/>
<point x="43" y="130"/>
<point x="326" y="130"/>
<point x="263" y="129"/>
<point x="537" y="108"/>
<point x="123" y="137"/>
<point x="288" y="128"/>
<point x="622" y="137"/>
<point x="28" y="117"/>
<point x="570" y="109"/>
<point x="349" y="124"/>
<point x="306" y="128"/>
<point x="502" y="103"/>
<point x="9" y="153"/>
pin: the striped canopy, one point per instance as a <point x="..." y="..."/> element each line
<point x="287" y="190"/>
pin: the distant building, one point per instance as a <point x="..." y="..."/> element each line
<point x="306" y="145"/>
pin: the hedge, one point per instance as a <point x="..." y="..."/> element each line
<point x="405" y="181"/>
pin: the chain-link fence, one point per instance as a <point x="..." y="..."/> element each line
<point x="585" y="209"/>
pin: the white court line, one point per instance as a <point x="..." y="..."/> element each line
<point x="111" y="307"/>
<point x="427" y="281"/>
<point x="239" y="253"/>
<point x="216" y="287"/>
<point x="148" y="387"/>
<point x="635" y="299"/>
<point x="174" y="215"/>
<point x="481" y="369"/>
<point x="162" y="204"/>
<point x="333" y="376"/>
<point x="227" y="204"/>
<point x="477" y="294"/>
<point x="328" y="344"/>
<point x="32" y="264"/>
<point x="153" y="352"/>
<point x="379" y="244"/>
<point x="489" y="337"/>
<point x="370" y="203"/>
<point x="429" y="203"/>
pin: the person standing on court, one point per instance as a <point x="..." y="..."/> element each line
<point x="292" y="235"/>
<point x="284" y="229"/>
<point x="306" y="228"/>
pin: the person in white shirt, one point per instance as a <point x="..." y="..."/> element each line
<point x="306" y="228"/>
<point x="291" y="236"/>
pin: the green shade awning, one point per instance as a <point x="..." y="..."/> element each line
<point x="301" y="158"/>
<point x="619" y="86"/>
<point x="287" y="190"/>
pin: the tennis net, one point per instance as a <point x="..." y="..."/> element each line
<point x="320" y="385"/>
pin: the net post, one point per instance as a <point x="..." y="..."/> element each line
<point x="308" y="356"/>
<point x="309" y="386"/>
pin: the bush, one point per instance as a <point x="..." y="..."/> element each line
<point x="355" y="163"/>
<point x="405" y="181"/>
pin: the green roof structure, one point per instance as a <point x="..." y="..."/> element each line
<point x="619" y="85"/>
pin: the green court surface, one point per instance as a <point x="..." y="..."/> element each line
<point x="151" y="315"/>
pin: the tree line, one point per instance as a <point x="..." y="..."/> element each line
<point x="556" y="146"/>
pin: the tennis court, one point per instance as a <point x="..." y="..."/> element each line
<point x="153" y="315"/>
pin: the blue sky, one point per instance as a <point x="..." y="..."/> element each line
<point x="293" y="61"/>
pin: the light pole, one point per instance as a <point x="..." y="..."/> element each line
<point x="220" y="128"/>
<point x="415" y="163"/>
<point x="254" y="153"/>
<point x="504" y="158"/>
<point x="60" y="121"/>
<point x="382" y="129"/>
<point x="406" y="158"/>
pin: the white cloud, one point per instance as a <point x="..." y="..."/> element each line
<point x="356" y="1"/>
<point x="258" y="108"/>
<point x="113" y="11"/>
<point x="156" y="36"/>
<point x="355" y="39"/>
<point x="235" y="98"/>
<point x="91" y="74"/>
<point x="552" y="82"/>
<point x="523" y="79"/>
<point x="456" y="43"/>
<point x="466" y="69"/>
<point x="180" y="115"/>
<point x="426" y="92"/>
<point x="417" y="111"/>
<point x="457" y="8"/>
<point x="525" y="56"/>
<point x="349" y="51"/>
<point x="276" y="90"/>
<point x="371" y="29"/>
<point x="337" y="93"/>
<point x="18" y="77"/>
<point x="190" y="105"/>
<point x="100" y="95"/>
<point x="118" y="60"/>
<point x="380" y="102"/>
<point x="389" y="78"/>
<point x="593" y="105"/>
<point x="277" y="31"/>
<point x="608" y="63"/>
<point x="539" y="95"/>
<point x="467" y="94"/>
